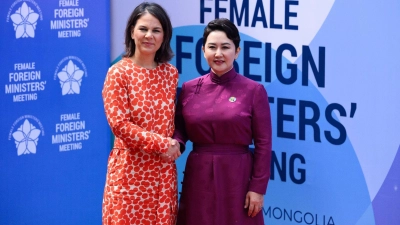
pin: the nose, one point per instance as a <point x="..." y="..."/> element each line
<point x="218" y="52"/>
<point x="148" y="34"/>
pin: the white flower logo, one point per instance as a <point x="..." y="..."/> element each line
<point x="70" y="79"/>
<point x="24" y="21"/>
<point x="26" y="138"/>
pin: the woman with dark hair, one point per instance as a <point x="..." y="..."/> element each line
<point x="139" y="94"/>
<point x="222" y="113"/>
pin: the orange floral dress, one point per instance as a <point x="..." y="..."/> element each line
<point x="140" y="106"/>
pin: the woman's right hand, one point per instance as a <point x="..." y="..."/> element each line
<point x="173" y="151"/>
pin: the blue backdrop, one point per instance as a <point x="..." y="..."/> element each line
<point x="330" y="68"/>
<point x="54" y="139"/>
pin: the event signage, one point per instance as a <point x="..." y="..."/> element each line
<point x="55" y="138"/>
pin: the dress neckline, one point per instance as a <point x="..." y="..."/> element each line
<point x="136" y="65"/>
<point x="223" y="78"/>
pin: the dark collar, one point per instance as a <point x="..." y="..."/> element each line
<point x="224" y="78"/>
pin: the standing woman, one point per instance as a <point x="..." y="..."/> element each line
<point x="222" y="113"/>
<point x="138" y="94"/>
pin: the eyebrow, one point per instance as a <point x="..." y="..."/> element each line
<point x="223" y="44"/>
<point x="143" y="26"/>
<point x="226" y="43"/>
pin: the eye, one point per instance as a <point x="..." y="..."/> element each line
<point x="211" y="47"/>
<point x="156" y="31"/>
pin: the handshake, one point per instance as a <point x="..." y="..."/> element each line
<point x="173" y="151"/>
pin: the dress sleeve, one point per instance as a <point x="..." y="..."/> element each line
<point x="180" y="130"/>
<point x="116" y="106"/>
<point x="262" y="136"/>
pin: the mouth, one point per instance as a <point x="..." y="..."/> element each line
<point x="218" y="61"/>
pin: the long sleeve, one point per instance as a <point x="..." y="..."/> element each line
<point x="262" y="135"/>
<point x="119" y="111"/>
<point x="180" y="130"/>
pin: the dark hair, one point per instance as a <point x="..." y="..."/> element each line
<point x="224" y="25"/>
<point x="164" y="54"/>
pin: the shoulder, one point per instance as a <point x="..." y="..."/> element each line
<point x="251" y="84"/>
<point x="195" y="81"/>
<point x="121" y="65"/>
<point x="168" y="70"/>
<point x="246" y="80"/>
<point x="189" y="87"/>
<point x="254" y="88"/>
<point x="168" y="67"/>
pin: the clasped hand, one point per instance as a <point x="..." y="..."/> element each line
<point x="173" y="151"/>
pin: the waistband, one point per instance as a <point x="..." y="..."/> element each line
<point x="220" y="148"/>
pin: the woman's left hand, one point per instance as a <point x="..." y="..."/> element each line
<point x="254" y="203"/>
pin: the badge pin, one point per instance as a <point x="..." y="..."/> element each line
<point x="232" y="99"/>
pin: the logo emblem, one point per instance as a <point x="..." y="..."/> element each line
<point x="70" y="76"/>
<point x="26" y="136"/>
<point x="24" y="21"/>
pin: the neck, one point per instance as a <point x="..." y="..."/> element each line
<point x="222" y="73"/>
<point x="146" y="62"/>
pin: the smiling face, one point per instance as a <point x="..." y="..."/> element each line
<point x="220" y="52"/>
<point x="148" y="36"/>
